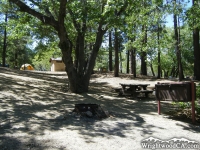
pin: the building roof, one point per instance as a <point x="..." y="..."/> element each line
<point x="56" y="59"/>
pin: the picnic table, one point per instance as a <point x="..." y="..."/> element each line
<point x="133" y="89"/>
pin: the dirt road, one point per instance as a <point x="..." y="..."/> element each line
<point x="36" y="113"/>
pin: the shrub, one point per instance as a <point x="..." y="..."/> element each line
<point x="197" y="104"/>
<point x="184" y="105"/>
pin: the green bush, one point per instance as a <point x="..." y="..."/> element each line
<point x="184" y="105"/>
<point x="197" y="105"/>
<point x="198" y="91"/>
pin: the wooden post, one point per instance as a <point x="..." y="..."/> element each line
<point x="193" y="101"/>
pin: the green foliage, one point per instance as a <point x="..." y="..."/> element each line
<point x="45" y="50"/>
<point x="197" y="108"/>
<point x="191" y="16"/>
<point x="102" y="59"/>
<point x="197" y="102"/>
<point x="183" y="105"/>
<point x="24" y="30"/>
<point x="41" y="65"/>
<point x="187" y="105"/>
<point x="198" y="91"/>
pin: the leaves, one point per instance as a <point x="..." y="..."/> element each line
<point x="85" y="17"/>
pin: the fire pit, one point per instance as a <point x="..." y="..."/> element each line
<point x="90" y="110"/>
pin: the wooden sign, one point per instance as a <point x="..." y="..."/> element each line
<point x="177" y="91"/>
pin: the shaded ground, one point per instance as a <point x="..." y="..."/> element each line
<point x="36" y="113"/>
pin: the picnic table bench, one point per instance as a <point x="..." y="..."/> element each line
<point x="133" y="89"/>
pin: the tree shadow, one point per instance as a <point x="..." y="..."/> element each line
<point x="33" y="108"/>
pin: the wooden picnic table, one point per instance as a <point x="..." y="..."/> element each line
<point x="135" y="89"/>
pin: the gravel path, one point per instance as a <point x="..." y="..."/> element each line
<point x="36" y="113"/>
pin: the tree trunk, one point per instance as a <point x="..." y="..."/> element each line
<point x="196" y="53"/>
<point x="177" y="48"/>
<point x="131" y="59"/>
<point x="78" y="76"/>
<point x="144" y="55"/>
<point x="4" y="42"/>
<point x="181" y="75"/>
<point x="120" y="58"/>
<point x="161" y="73"/>
<point x="152" y="70"/>
<point x="78" y="79"/>
<point x="16" y="59"/>
<point x="143" y="63"/>
<point x="116" y="70"/>
<point x="159" y="68"/>
<point x="127" y="63"/>
<point x="133" y="62"/>
<point x="166" y="73"/>
<point x="110" y="52"/>
<point x="172" y="71"/>
<point x="196" y="49"/>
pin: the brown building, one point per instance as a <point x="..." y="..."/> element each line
<point x="57" y="64"/>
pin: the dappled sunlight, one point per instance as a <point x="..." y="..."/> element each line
<point x="40" y="114"/>
<point x="20" y="77"/>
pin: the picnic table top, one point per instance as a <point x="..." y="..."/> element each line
<point x="134" y="84"/>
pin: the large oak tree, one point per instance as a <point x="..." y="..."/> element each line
<point x="72" y="19"/>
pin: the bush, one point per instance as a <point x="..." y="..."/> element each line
<point x="184" y="105"/>
<point x="197" y="105"/>
<point x="198" y="91"/>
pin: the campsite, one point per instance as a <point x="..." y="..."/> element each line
<point x="37" y="113"/>
<point x="99" y="74"/>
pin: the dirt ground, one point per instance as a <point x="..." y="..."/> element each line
<point x="36" y="113"/>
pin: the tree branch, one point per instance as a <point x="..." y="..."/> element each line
<point x="76" y="25"/>
<point x="45" y="19"/>
<point x="62" y="12"/>
<point x="123" y="8"/>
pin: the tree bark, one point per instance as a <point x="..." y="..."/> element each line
<point x="143" y="63"/>
<point x="116" y="71"/>
<point x="120" y="58"/>
<point x="110" y="51"/>
<point x="143" y="54"/>
<point x="79" y="75"/>
<point x="133" y="62"/>
<point x="151" y="66"/>
<point x="177" y="48"/>
<point x="173" y="71"/>
<point x="4" y="42"/>
<point x="196" y="49"/>
<point x="159" y="68"/>
<point x="131" y="59"/>
<point x="127" y="63"/>
<point x="196" y="53"/>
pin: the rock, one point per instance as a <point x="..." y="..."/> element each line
<point x="89" y="113"/>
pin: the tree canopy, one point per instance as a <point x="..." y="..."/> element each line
<point x="79" y="27"/>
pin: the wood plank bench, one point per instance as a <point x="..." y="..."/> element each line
<point x="129" y="92"/>
<point x="146" y="92"/>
